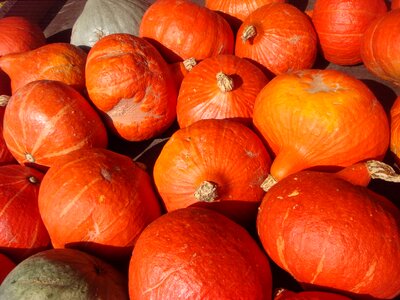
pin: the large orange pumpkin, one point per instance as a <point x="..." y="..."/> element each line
<point x="320" y="118"/>
<point x="196" y="253"/>
<point x="329" y="233"/>
<point x="129" y="81"/>
<point x="395" y="129"/>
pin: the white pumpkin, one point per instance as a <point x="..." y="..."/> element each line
<point x="103" y="17"/>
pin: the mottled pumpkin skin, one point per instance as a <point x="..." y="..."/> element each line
<point x="131" y="84"/>
<point x="6" y="266"/>
<point x="380" y="47"/>
<point x="319" y="227"/>
<point x="181" y="29"/>
<point x="196" y="253"/>
<point x="308" y="295"/>
<point x="320" y="118"/>
<point x="395" y="129"/>
<point x="340" y="25"/>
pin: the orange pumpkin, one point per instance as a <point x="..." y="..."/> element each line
<point x="395" y="4"/>
<point x="284" y="294"/>
<point x="131" y="84"/>
<point x="180" y="69"/>
<point x="219" y="87"/>
<point x="340" y="25"/>
<point x="5" y="154"/>
<point x="326" y="119"/>
<point x="279" y="37"/>
<point x="331" y="234"/>
<point x="395" y="129"/>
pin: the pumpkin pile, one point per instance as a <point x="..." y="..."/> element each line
<point x="202" y="150"/>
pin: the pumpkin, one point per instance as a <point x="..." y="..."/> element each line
<point x="22" y="232"/>
<point x="395" y="129"/>
<point x="326" y="232"/>
<point x="180" y="69"/>
<point x="137" y="100"/>
<point x="236" y="11"/>
<point x="340" y="25"/>
<point x="56" y="61"/>
<point x="284" y="294"/>
<point x="395" y="4"/>
<point x="6" y="266"/>
<point x="220" y="87"/>
<point x="48" y="119"/>
<point x="380" y="45"/>
<point x="103" y="17"/>
<point x="5" y="154"/>
<point x="64" y="274"/>
<point x="181" y="29"/>
<point x="98" y="201"/>
<point x="327" y="119"/>
<point x="175" y="258"/>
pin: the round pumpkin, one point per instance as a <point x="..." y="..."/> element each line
<point x="380" y="47"/>
<point x="320" y="118"/>
<point x="22" y="232"/>
<point x="137" y="100"/>
<point x="181" y="29"/>
<point x="64" y="274"/>
<point x="395" y="129"/>
<point x="196" y="253"/>
<point x="326" y="232"/>
<point x="279" y="37"/>
<point x="340" y="25"/>
<point x="5" y="154"/>
<point x="6" y="266"/>
<point x="219" y="87"/>
<point x="98" y="201"/>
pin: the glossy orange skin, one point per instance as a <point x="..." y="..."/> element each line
<point x="395" y="4"/>
<point x="327" y="232"/>
<point x="196" y="253"/>
<point x="285" y="38"/>
<point x="221" y="151"/>
<point x="395" y="129"/>
<point x="49" y="119"/>
<point x="56" y="61"/>
<point x="22" y="232"/>
<point x="181" y="29"/>
<point x="380" y="47"/>
<point x="326" y="118"/>
<point x="129" y="81"/>
<point x="5" y="154"/>
<point x="308" y="295"/>
<point x="340" y="25"/>
<point x="98" y="201"/>
<point x="6" y="266"/>
<point x="200" y="97"/>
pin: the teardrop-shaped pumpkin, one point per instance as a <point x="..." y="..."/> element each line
<point x="331" y="234"/>
<point x="220" y="87"/>
<point x="320" y="118"/>
<point x="279" y="37"/>
<point x="395" y="129"/>
<point x="46" y="119"/>
<point x="56" y="61"/>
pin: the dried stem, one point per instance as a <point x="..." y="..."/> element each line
<point x="381" y="170"/>
<point x="224" y="82"/>
<point x="207" y="191"/>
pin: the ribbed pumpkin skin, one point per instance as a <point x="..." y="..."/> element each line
<point x="6" y="266"/>
<point x="320" y="118"/>
<point x="181" y="29"/>
<point x="46" y="119"/>
<point x="196" y="253"/>
<point x="22" y="232"/>
<point x="221" y="151"/>
<point x="200" y="96"/>
<point x="138" y="99"/>
<point x="325" y="231"/>
<point x="340" y="25"/>
<point x="395" y="129"/>
<point x="98" y="201"/>
<point x="308" y="295"/>
<point x="380" y="47"/>
<point x="56" y="61"/>
<point x="285" y="39"/>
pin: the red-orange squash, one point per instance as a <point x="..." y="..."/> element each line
<point x="98" y="201"/>
<point x="395" y="4"/>
<point x="284" y="294"/>
<point x="279" y="37"/>
<point x="395" y="129"/>
<point x="219" y="87"/>
<point x="131" y="84"/>
<point x="340" y="25"/>
<point x="380" y="47"/>
<point x="196" y="253"/>
<point x="5" y="154"/>
<point x="22" y="232"/>
<point x="320" y="118"/>
<point x="6" y="266"/>
<point x="326" y="232"/>
<point x="181" y="29"/>
<point x="57" y="61"/>
<point x="46" y="119"/>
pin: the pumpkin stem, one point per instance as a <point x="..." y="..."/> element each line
<point x="33" y="179"/>
<point x="224" y="82"/>
<point x="189" y="63"/>
<point x="268" y="183"/>
<point x="207" y="191"/>
<point x="381" y="170"/>
<point x="248" y="33"/>
<point x="4" y="100"/>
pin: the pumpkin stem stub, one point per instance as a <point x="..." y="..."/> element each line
<point x="29" y="157"/>
<point x="268" y="183"/>
<point x="189" y="63"/>
<point x="224" y="82"/>
<point x="207" y="191"/>
<point x="4" y="100"/>
<point x="33" y="179"/>
<point x="248" y="33"/>
<point x="381" y="170"/>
